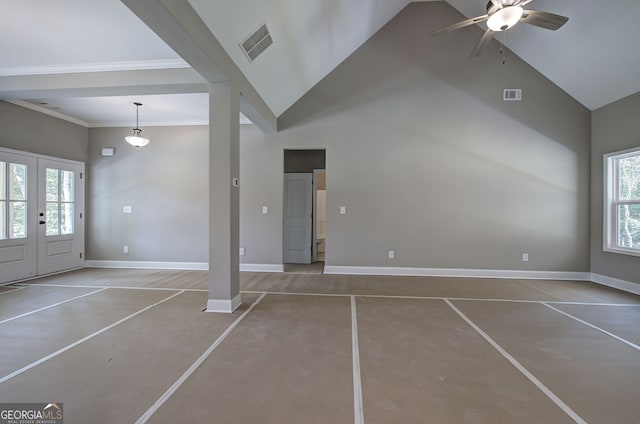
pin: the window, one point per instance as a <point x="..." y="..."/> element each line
<point x="13" y="201"/>
<point x="60" y="202"/>
<point x="622" y="202"/>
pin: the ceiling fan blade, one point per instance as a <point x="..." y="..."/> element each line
<point x="460" y="24"/>
<point x="543" y="19"/>
<point x="482" y="42"/>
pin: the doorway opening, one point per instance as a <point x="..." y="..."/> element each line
<point x="304" y="211"/>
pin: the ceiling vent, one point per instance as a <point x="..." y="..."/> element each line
<point x="257" y="42"/>
<point x="512" y="94"/>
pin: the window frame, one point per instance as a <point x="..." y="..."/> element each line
<point x="611" y="202"/>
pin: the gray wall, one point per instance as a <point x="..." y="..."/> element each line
<point x="419" y="147"/>
<point x="165" y="182"/>
<point x="614" y="127"/>
<point x="31" y="131"/>
<point x="428" y="160"/>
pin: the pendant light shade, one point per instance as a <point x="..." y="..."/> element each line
<point x="505" y="18"/>
<point x="137" y="140"/>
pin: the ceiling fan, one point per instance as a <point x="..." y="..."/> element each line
<point x="504" y="14"/>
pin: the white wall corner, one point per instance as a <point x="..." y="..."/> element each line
<point x="223" y="305"/>
<point x="616" y="283"/>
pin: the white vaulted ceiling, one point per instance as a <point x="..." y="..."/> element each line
<point x="594" y="57"/>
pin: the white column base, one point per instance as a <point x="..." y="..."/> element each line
<point x="226" y="306"/>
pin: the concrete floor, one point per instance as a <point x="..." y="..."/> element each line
<point x="125" y="346"/>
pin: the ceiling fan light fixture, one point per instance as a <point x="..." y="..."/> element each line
<point x="505" y="18"/>
<point x="137" y="140"/>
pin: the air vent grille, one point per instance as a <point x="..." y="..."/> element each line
<point x="512" y="94"/>
<point x="256" y="43"/>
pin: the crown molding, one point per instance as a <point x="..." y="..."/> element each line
<point x="49" y="112"/>
<point x="132" y="65"/>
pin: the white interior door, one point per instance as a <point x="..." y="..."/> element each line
<point x="298" y="198"/>
<point x="18" y="231"/>
<point x="60" y="215"/>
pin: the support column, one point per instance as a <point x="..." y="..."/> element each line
<point x="224" y="200"/>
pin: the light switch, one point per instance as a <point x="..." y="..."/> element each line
<point x="265" y="210"/>
<point x="242" y="251"/>
<point x="343" y="210"/>
<point x="127" y="209"/>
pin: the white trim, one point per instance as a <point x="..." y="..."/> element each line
<point x="615" y="283"/>
<point x="262" y="267"/>
<point x="175" y="386"/>
<point x="595" y="327"/>
<point x="611" y="201"/>
<point x="358" y="409"/>
<point x="84" y="339"/>
<point x="187" y="266"/>
<point x="130" y="65"/>
<point x="193" y="266"/>
<point x="224" y="305"/>
<point x="577" y="418"/>
<point x="148" y="124"/>
<point x="39" y="156"/>
<point x="459" y="272"/>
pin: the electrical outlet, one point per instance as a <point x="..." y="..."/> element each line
<point x="242" y="251"/>
<point x="125" y="249"/>
<point x="265" y="210"/>
<point x="343" y="210"/>
<point x="525" y="257"/>
<point x="392" y="254"/>
<point x="127" y="209"/>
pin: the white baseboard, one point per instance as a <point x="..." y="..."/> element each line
<point x="226" y="306"/>
<point x="262" y="267"/>
<point x="616" y="283"/>
<point x="459" y="272"/>
<point x="194" y="266"/>
<point x="189" y="266"/>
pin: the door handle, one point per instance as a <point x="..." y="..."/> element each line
<point x="42" y="222"/>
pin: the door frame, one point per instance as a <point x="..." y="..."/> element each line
<point x="33" y="209"/>
<point x="314" y="231"/>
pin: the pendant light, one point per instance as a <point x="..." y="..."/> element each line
<point x="137" y="140"/>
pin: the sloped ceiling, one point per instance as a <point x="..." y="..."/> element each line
<point x="87" y="59"/>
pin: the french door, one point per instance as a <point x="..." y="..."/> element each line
<point x="41" y="215"/>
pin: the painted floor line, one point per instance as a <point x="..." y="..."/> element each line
<point x="145" y="417"/>
<point x="114" y="287"/>
<point x="84" y="339"/>
<point x="358" y="409"/>
<point x="595" y="327"/>
<point x="11" y="291"/>
<point x="383" y="296"/>
<point x="519" y="366"/>
<point x="298" y="293"/>
<point x="51" y="306"/>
